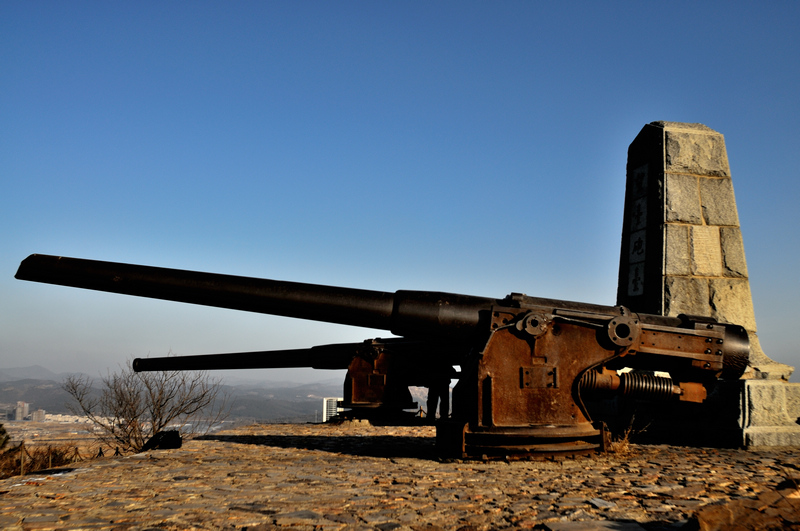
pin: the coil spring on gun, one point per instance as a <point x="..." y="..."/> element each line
<point x="589" y="381"/>
<point x="630" y="384"/>
<point x="639" y="385"/>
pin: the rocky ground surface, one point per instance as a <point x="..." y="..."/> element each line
<point x="360" y="477"/>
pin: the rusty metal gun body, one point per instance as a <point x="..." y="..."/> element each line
<point x="527" y="364"/>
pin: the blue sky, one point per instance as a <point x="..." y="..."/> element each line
<point x="470" y="147"/>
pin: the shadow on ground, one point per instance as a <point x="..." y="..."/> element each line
<point x="365" y="445"/>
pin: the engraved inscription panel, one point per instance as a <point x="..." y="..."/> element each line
<point x="706" y="251"/>
<point x="637" y="224"/>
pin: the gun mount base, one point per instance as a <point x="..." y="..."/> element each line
<point x="455" y="440"/>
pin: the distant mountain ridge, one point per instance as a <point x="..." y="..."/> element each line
<point x="40" y="394"/>
<point x="32" y="372"/>
<point x="37" y="372"/>
<point x="264" y="401"/>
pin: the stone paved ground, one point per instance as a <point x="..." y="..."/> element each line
<point x="364" y="477"/>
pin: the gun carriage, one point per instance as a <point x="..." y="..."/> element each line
<point x="528" y="365"/>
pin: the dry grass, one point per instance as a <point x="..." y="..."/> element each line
<point x="24" y="459"/>
<point x="621" y="443"/>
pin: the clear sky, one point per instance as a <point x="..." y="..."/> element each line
<point x="471" y="147"/>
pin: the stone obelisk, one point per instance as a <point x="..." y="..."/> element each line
<point x="682" y="253"/>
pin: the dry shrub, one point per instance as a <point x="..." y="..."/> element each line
<point x="129" y="407"/>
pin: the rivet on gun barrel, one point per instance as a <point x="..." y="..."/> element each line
<point x="527" y="364"/>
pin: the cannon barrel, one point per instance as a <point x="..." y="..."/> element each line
<point x="403" y="312"/>
<point x="320" y="357"/>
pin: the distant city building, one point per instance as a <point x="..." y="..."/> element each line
<point x="38" y="415"/>
<point x="21" y="411"/>
<point x="57" y="417"/>
<point x="330" y="408"/>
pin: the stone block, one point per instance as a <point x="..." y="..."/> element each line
<point x="733" y="259"/>
<point x="706" y="251"/>
<point x="695" y="149"/>
<point x="718" y="202"/>
<point x="766" y="404"/>
<point x="677" y="260"/>
<point x="731" y="301"/>
<point x="793" y="401"/>
<point x="769" y="415"/>
<point x="682" y="195"/>
<point x="761" y="436"/>
<point x="685" y="295"/>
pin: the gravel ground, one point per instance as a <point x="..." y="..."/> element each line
<point x="356" y="476"/>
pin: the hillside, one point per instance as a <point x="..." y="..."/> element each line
<point x="268" y="401"/>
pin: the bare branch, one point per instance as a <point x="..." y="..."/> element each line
<point x="131" y="407"/>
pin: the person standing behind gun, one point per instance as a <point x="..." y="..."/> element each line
<point x="439" y="393"/>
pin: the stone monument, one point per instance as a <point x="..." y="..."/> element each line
<point x="682" y="253"/>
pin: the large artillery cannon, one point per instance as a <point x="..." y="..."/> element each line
<point x="528" y="365"/>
